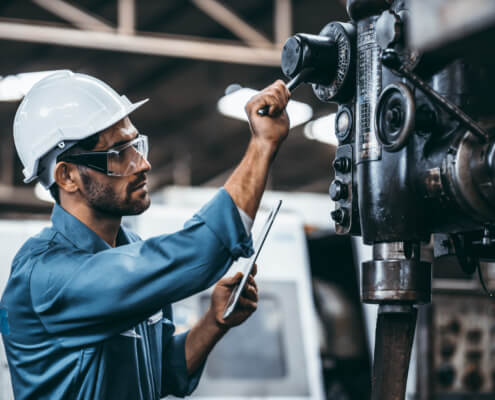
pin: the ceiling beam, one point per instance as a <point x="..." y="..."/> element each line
<point x="160" y="45"/>
<point x="74" y="15"/>
<point x="282" y="21"/>
<point x="126" y="16"/>
<point x="232" y="22"/>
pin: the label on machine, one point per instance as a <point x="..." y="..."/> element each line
<point x="369" y="85"/>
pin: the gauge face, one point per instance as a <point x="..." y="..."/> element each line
<point x="343" y="34"/>
<point x="343" y="123"/>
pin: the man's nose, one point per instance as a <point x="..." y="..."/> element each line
<point x="144" y="165"/>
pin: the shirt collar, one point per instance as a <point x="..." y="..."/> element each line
<point x="80" y="235"/>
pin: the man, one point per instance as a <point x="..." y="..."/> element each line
<point x="88" y="302"/>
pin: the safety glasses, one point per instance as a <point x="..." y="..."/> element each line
<point x="123" y="160"/>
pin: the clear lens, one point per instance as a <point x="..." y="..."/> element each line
<point x="128" y="159"/>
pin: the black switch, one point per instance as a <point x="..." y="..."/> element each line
<point x="342" y="164"/>
<point x="338" y="190"/>
<point x="340" y="216"/>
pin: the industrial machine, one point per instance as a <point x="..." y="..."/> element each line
<point x="415" y="162"/>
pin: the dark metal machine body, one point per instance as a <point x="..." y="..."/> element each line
<point x="416" y="157"/>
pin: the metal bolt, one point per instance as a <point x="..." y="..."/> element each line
<point x="340" y="216"/>
<point x="342" y="164"/>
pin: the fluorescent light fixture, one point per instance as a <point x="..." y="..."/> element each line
<point x="41" y="193"/>
<point x="15" y="87"/>
<point x="322" y="129"/>
<point x="232" y="105"/>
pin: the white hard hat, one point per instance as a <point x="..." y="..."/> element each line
<point x="59" y="111"/>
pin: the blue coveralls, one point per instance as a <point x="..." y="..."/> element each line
<point x="70" y="296"/>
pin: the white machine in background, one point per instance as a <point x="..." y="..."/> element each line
<point x="275" y="354"/>
<point x="12" y="235"/>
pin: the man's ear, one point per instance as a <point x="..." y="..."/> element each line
<point x="67" y="176"/>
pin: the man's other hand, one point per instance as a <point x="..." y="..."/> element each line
<point x="248" y="301"/>
<point x="210" y="329"/>
<point x="274" y="127"/>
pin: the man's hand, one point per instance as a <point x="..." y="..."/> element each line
<point x="247" y="182"/>
<point x="248" y="302"/>
<point x="210" y="329"/>
<point x="274" y="127"/>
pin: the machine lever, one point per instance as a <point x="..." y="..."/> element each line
<point x="291" y="85"/>
<point x="391" y="60"/>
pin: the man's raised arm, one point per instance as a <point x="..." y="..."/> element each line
<point x="247" y="182"/>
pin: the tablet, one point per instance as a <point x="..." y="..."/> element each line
<point x="236" y="293"/>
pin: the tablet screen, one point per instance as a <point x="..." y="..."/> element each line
<point x="258" y="245"/>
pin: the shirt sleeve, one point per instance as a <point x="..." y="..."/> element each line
<point x="176" y="379"/>
<point x="86" y="298"/>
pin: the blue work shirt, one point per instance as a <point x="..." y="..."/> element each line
<point x="72" y="299"/>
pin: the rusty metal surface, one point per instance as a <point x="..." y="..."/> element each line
<point x="394" y="339"/>
<point x="471" y="173"/>
<point x="396" y="281"/>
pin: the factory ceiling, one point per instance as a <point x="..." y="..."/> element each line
<point x="180" y="54"/>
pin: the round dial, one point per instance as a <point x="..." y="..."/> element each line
<point x="341" y="85"/>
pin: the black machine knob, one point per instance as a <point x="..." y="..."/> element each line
<point x="308" y="58"/>
<point x="327" y="60"/>
<point x="340" y="216"/>
<point x="341" y="85"/>
<point x="342" y="164"/>
<point x="310" y="52"/>
<point x="292" y="55"/>
<point x="446" y="375"/>
<point x="338" y="190"/>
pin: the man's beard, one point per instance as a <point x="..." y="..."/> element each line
<point x="105" y="200"/>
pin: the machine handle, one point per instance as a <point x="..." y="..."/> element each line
<point x="291" y="85"/>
